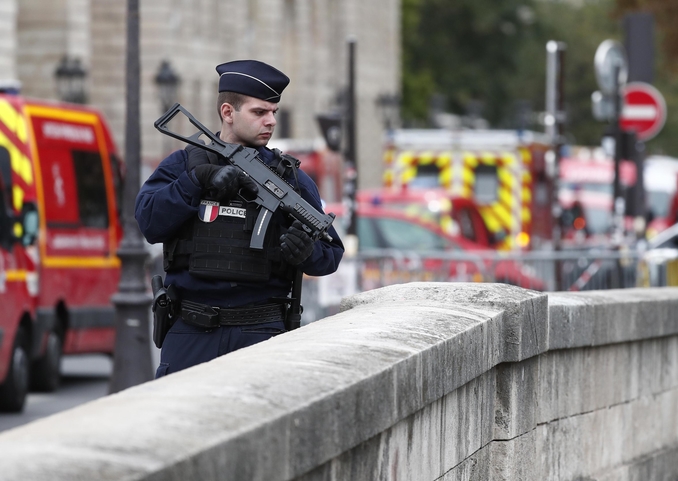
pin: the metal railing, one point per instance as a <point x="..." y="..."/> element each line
<point x="571" y="270"/>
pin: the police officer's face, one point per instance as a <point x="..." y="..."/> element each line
<point x="252" y="125"/>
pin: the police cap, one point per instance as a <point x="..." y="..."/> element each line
<point x="253" y="78"/>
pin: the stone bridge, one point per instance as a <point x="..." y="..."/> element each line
<point x="422" y="381"/>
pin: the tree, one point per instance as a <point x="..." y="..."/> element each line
<point x="665" y="13"/>
<point x="494" y="51"/>
<point x="582" y="28"/>
<point x="463" y="50"/>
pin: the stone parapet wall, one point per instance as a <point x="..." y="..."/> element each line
<point x="421" y="381"/>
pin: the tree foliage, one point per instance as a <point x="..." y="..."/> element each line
<point x="463" y="50"/>
<point x="494" y="51"/>
<point x="665" y="13"/>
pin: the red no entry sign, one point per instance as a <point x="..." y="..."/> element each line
<point x="644" y="110"/>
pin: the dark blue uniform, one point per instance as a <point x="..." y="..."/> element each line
<point x="171" y="197"/>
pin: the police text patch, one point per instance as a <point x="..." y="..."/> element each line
<point x="209" y="210"/>
<point x="232" y="211"/>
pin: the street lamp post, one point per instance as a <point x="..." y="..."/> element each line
<point x="70" y="80"/>
<point x="350" y="151"/>
<point x="389" y="107"/>
<point x="132" y="357"/>
<point x="167" y="82"/>
<point x="555" y="128"/>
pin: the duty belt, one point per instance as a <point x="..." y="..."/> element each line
<point x="209" y="317"/>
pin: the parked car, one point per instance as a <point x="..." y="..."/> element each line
<point x="423" y="245"/>
<point x="455" y="215"/>
<point x="658" y="265"/>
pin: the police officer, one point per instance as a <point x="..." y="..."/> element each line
<point x="228" y="296"/>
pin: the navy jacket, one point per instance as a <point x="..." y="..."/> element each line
<point x="171" y="196"/>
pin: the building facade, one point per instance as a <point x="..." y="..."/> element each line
<point x="306" y="39"/>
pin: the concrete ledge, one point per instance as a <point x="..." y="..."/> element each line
<point x="595" y="318"/>
<point x="418" y="355"/>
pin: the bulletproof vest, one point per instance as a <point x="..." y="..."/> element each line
<point x="215" y="243"/>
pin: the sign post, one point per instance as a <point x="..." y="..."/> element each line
<point x="644" y="110"/>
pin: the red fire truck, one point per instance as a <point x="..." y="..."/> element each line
<point x="59" y="231"/>
<point x="503" y="172"/>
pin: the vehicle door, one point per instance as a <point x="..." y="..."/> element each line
<point x="15" y="298"/>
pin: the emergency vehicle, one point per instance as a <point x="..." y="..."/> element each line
<point x="59" y="232"/>
<point x="502" y="172"/>
<point x="456" y="216"/>
<point x="586" y="196"/>
<point x="321" y="164"/>
<point x="660" y="178"/>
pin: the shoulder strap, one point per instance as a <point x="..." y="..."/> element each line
<point x="287" y="166"/>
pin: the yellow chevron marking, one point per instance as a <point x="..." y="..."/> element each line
<point x="470" y="160"/>
<point x="504" y="216"/>
<point x="17" y="197"/>
<point x="444" y="160"/>
<point x="445" y="177"/>
<point x="426" y="158"/>
<point x="408" y="174"/>
<point x="490" y="218"/>
<point x="508" y="159"/>
<point x="8" y="115"/>
<point x="506" y="178"/>
<point x="506" y="198"/>
<point x="469" y="177"/>
<point x="405" y="159"/>
<point x="388" y="177"/>
<point x="20" y="163"/>
<point x="488" y="158"/>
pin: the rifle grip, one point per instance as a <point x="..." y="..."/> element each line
<point x="260" y="228"/>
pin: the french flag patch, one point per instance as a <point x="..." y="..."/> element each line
<point x="208" y="211"/>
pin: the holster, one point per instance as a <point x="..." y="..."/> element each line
<point x="164" y="303"/>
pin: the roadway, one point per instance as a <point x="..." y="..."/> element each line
<point x="84" y="378"/>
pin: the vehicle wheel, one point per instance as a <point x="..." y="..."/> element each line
<point x="46" y="371"/>
<point x="13" y="391"/>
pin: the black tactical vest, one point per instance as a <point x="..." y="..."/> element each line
<point x="215" y="244"/>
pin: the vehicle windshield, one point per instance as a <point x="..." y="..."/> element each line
<point x="598" y="221"/>
<point x="658" y="203"/>
<point x="402" y="235"/>
<point x="416" y="209"/>
<point x="586" y="186"/>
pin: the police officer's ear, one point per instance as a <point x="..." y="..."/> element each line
<point x="227" y="110"/>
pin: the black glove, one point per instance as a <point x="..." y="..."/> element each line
<point x="222" y="181"/>
<point x="295" y="244"/>
<point x="198" y="156"/>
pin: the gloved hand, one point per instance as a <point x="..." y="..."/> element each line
<point x="296" y="245"/>
<point x="222" y="181"/>
<point x="198" y="156"/>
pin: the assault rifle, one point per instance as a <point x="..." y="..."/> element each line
<point x="274" y="192"/>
